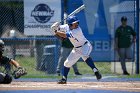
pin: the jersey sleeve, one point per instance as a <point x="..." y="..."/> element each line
<point x="68" y="34"/>
<point x="63" y="28"/>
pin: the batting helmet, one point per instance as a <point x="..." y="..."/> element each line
<point x="72" y="19"/>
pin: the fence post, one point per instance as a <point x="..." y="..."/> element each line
<point x="137" y="41"/>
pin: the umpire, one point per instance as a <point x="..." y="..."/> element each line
<point x="125" y="36"/>
<point x="66" y="48"/>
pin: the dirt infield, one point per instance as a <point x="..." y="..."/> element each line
<point x="122" y="86"/>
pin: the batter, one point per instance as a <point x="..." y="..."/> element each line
<point x="82" y="47"/>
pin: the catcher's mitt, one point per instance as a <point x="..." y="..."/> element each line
<point x="20" y="71"/>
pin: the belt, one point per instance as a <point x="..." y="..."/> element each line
<point x="82" y="45"/>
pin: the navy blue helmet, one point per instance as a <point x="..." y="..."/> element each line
<point x="72" y="19"/>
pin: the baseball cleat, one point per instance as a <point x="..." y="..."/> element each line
<point x="125" y="73"/>
<point x="98" y="75"/>
<point x="62" y="81"/>
<point x="77" y="73"/>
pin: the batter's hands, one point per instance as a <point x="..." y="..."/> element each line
<point x="55" y="27"/>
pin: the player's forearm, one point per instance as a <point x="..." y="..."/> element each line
<point x="15" y="63"/>
<point x="61" y="34"/>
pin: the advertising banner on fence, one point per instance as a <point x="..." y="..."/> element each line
<point x="39" y="15"/>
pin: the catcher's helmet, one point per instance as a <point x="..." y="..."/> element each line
<point x="72" y="19"/>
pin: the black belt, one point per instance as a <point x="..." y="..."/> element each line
<point x="82" y="45"/>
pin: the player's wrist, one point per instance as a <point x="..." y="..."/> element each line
<point x="18" y="67"/>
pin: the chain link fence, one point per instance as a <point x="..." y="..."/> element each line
<point x="12" y="16"/>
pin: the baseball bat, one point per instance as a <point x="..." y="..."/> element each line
<point x="72" y="14"/>
<point x="75" y="12"/>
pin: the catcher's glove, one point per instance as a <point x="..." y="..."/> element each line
<point x="20" y="71"/>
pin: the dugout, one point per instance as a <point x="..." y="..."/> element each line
<point x="125" y="8"/>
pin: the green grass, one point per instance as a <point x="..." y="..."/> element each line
<point x="104" y="67"/>
<point x="30" y="64"/>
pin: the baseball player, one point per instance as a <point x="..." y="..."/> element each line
<point x="6" y="77"/>
<point x="82" y="47"/>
